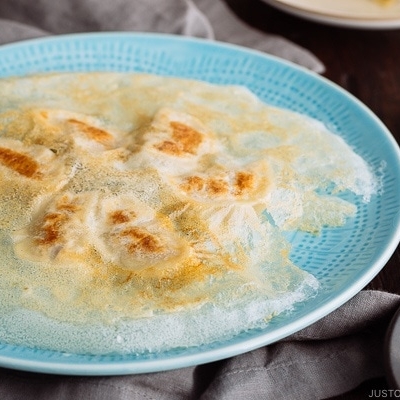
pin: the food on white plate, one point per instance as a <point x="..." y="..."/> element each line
<point x="386" y="2"/>
<point x="145" y="213"/>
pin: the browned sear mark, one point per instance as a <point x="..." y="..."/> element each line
<point x="169" y="147"/>
<point x="19" y="162"/>
<point x="50" y="230"/>
<point x="97" y="134"/>
<point x="67" y="207"/>
<point x="188" y="137"/>
<point x="243" y="181"/>
<point x="217" y="186"/>
<point x="120" y="217"/>
<point x="185" y="140"/>
<point x="194" y="184"/>
<point x="211" y="186"/>
<point x="141" y="241"/>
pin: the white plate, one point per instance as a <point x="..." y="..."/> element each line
<point x="371" y="14"/>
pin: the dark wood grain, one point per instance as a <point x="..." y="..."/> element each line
<point x="364" y="62"/>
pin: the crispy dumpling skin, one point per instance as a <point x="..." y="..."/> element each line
<point x="28" y="174"/>
<point x="144" y="213"/>
<point x="134" y="236"/>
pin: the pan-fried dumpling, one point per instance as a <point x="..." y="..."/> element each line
<point x="143" y="213"/>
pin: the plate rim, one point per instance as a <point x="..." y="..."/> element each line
<point x="130" y="366"/>
<point x="347" y="22"/>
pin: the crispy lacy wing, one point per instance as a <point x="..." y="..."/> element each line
<point x="132" y="195"/>
<point x="293" y="209"/>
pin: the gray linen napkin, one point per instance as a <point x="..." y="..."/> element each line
<point x="328" y="358"/>
<point x="211" y="19"/>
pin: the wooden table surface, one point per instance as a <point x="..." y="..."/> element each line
<point x="364" y="62"/>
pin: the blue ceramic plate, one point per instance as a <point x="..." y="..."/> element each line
<point x="344" y="259"/>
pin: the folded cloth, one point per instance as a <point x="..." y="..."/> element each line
<point x="228" y="28"/>
<point x="328" y="358"/>
<point x="211" y="19"/>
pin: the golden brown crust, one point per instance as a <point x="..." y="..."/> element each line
<point x="187" y="137"/>
<point x="50" y="230"/>
<point x="244" y="181"/>
<point x="139" y="240"/>
<point x="185" y="140"/>
<point x="93" y="133"/>
<point x="121" y="216"/>
<point x="19" y="162"/>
